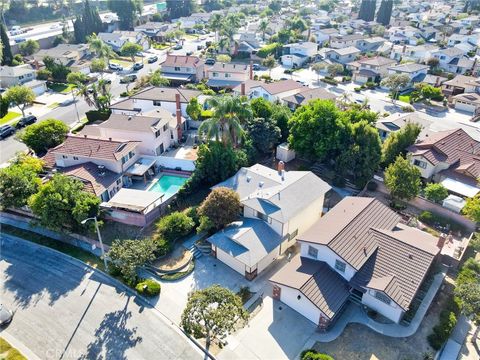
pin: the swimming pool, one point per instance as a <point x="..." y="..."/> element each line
<point x="168" y="185"/>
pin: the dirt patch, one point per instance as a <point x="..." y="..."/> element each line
<point x="358" y="342"/>
<point x="172" y="263"/>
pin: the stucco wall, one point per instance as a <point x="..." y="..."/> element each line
<point x="303" y="306"/>
<point x="392" y="311"/>
<point x="267" y="260"/>
<point x="230" y="261"/>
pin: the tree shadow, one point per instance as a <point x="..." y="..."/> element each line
<point x="113" y="337"/>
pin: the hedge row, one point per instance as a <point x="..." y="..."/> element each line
<point x="448" y="320"/>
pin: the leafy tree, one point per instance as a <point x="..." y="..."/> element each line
<point x="281" y="114"/>
<point x="130" y="49"/>
<point x="215" y="24"/>
<point x="4" y="105"/>
<point x="334" y="69"/>
<point x="433" y="62"/>
<point x="62" y="202"/>
<point x="44" y="74"/>
<point x="20" y="96"/>
<point x="179" y="8"/>
<point x="19" y="181"/>
<point x="194" y="109"/>
<point x="431" y="93"/>
<point x="224" y="58"/>
<point x="261" y="108"/>
<point x="127" y="11"/>
<point x="59" y="71"/>
<point x="317" y="130"/>
<point x="87" y="23"/>
<point x="472" y="209"/>
<point x="395" y="83"/>
<point x="402" y="179"/>
<point x="221" y="207"/>
<point x="264" y="133"/>
<point x="397" y="142"/>
<point x="436" y="192"/>
<point x="44" y="135"/>
<point x="469" y="295"/>
<point x="318" y="68"/>
<point x="7" y="56"/>
<point x="128" y="255"/>
<point x="378" y="30"/>
<point x="98" y="65"/>
<point x="102" y="50"/>
<point x="212" y="313"/>
<point x="173" y="226"/>
<point x="263" y="27"/>
<point x="76" y="78"/>
<point x="229" y="114"/>
<point x="269" y="63"/>
<point x="385" y="12"/>
<point x="100" y="96"/>
<point x="156" y="79"/>
<point x="367" y="10"/>
<point x="28" y="47"/>
<point x="354" y="115"/>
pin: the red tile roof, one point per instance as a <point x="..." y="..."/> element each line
<point x="182" y="60"/>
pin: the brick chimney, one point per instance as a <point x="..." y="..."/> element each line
<point x="441" y="240"/>
<point x="179" y="116"/>
<point x="251" y="70"/>
<point x="242" y="91"/>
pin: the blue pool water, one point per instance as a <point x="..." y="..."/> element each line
<point x="168" y="185"/>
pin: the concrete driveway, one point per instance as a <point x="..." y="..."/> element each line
<point x="276" y="332"/>
<point x="64" y="310"/>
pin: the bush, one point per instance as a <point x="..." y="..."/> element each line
<point x="346" y="78"/>
<point x="174" y="226"/>
<point x="370" y="85"/>
<point x="192" y="213"/>
<point x="269" y="49"/>
<point x="44" y="74"/>
<point x="124" y="94"/>
<point x="312" y="354"/>
<point x="372" y="186"/>
<point x="95" y="115"/>
<point x="435" y="220"/>
<point x="329" y="80"/>
<point x="407" y="108"/>
<point x="357" y="89"/>
<point x="448" y="320"/>
<point x="148" y="287"/>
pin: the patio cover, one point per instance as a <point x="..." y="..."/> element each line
<point x="140" y="167"/>
<point x="223" y="83"/>
<point x="178" y="77"/>
<point x="134" y="200"/>
<point x="459" y="187"/>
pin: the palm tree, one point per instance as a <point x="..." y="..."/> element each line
<point x="98" y="46"/>
<point x="216" y="23"/>
<point x="344" y="100"/>
<point x="263" y="27"/>
<point x="224" y="43"/>
<point x="229" y="115"/>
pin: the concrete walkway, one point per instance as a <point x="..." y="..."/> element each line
<point x="355" y="314"/>
<point x="457" y="338"/>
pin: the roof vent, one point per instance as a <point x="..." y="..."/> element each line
<point x="129" y="118"/>
<point x="410" y="257"/>
<point x="260" y="184"/>
<point x="249" y="178"/>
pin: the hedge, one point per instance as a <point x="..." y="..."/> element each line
<point x="448" y="320"/>
<point x="94" y="115"/>
<point x="329" y="80"/>
<point x="312" y="354"/>
<point x="434" y="220"/>
<point x="269" y="50"/>
<point x="148" y="287"/>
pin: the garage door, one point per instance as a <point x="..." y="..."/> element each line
<point x="231" y="261"/>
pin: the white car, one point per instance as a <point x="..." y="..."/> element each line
<point x="5" y="315"/>
<point x="67" y="102"/>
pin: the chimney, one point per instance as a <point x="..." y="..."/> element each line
<point x="109" y="139"/>
<point x="441" y="240"/>
<point x="280" y="167"/>
<point x="242" y="91"/>
<point x="404" y="49"/>
<point x="251" y="70"/>
<point x="437" y="81"/>
<point x="85" y="136"/>
<point x="179" y="116"/>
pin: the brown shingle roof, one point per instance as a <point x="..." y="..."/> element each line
<point x="166" y="94"/>
<point x="181" y="60"/>
<point x="306" y="95"/>
<point x="278" y="87"/>
<point x="96" y="180"/>
<point x="95" y="148"/>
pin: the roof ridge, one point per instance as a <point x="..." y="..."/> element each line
<point x="384" y="232"/>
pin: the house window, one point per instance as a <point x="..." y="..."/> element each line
<point x="165" y="127"/>
<point x="228" y="75"/>
<point x="313" y="252"/>
<point x="262" y="216"/>
<point x="65" y="156"/>
<point x="340" y="266"/>
<point x="177" y="68"/>
<point x="157" y="103"/>
<point x="119" y="181"/>
<point x="131" y="154"/>
<point x="157" y="133"/>
<point x="382" y="297"/>
<point x="215" y="74"/>
<point x="75" y="158"/>
<point x="420" y="164"/>
<point x="124" y="159"/>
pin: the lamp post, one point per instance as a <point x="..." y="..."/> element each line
<point x="99" y="239"/>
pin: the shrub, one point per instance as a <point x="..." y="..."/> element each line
<point x="94" y="115"/>
<point x="269" y="49"/>
<point x="329" y="80"/>
<point x="266" y="77"/>
<point x="148" y="287"/>
<point x="357" y="89"/>
<point x="244" y="293"/>
<point x="436" y="192"/>
<point x="435" y="220"/>
<point x="407" y="108"/>
<point x="312" y="354"/>
<point x="372" y="186"/>
<point x="44" y="74"/>
<point x="370" y="85"/>
<point x="346" y="78"/>
<point x="426" y="217"/>
<point x="124" y="94"/>
<point x="174" y="226"/>
<point x="192" y="213"/>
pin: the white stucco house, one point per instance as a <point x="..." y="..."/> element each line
<point x="277" y="206"/>
<point x="297" y="54"/>
<point x="359" y="252"/>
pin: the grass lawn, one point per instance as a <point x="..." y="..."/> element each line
<point x="53" y="105"/>
<point x="9" y="117"/>
<point x="71" y="250"/>
<point x="8" y="352"/>
<point x="404" y="98"/>
<point x="190" y="37"/>
<point x="61" y="88"/>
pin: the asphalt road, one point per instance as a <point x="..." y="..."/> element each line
<point x="64" y="310"/>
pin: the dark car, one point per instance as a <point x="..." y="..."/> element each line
<point x="256" y="67"/>
<point x="6" y="131"/>
<point x="137" y="66"/>
<point x="128" y="79"/>
<point x="210" y="61"/>
<point x="178" y="47"/>
<point x="27" y="120"/>
<point x="152" y="59"/>
<point x="189" y="53"/>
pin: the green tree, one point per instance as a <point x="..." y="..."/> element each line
<point x="212" y="313"/>
<point x="397" y="142"/>
<point x="7" y="56"/>
<point x="385" y="12"/>
<point x="472" y="209"/>
<point x="87" y="23"/>
<point x="261" y="108"/>
<point x="4" y="105"/>
<point x="99" y="96"/>
<point x="194" y="109"/>
<point x="433" y="62"/>
<point x="402" y="179"/>
<point x="173" y="226"/>
<point x="269" y="63"/>
<point x="98" y="65"/>
<point x="221" y="207"/>
<point x="179" y="8"/>
<point x="20" y="96"/>
<point x="229" y="114"/>
<point x="429" y="92"/>
<point x="19" y="181"/>
<point x="281" y="114"/>
<point x="264" y="133"/>
<point x="28" y="47"/>
<point x="378" y="30"/>
<point x="395" y="83"/>
<point x="102" y="50"/>
<point x="224" y="58"/>
<point x="44" y="135"/>
<point x="128" y="255"/>
<point x="354" y="115"/>
<point x="263" y="27"/>
<point x="469" y="295"/>
<point x="127" y="11"/>
<point x="130" y="49"/>
<point x="317" y="130"/>
<point x="436" y="192"/>
<point x="215" y="24"/>
<point x="156" y="79"/>
<point x="76" y="78"/>
<point x="62" y="202"/>
<point x="334" y="69"/>
<point x="59" y="71"/>
<point x="318" y="68"/>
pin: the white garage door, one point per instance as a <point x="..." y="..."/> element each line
<point x="231" y="261"/>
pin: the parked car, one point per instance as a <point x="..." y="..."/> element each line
<point x="178" y="47"/>
<point x="6" y="131"/>
<point x="20" y="40"/>
<point x="115" y="67"/>
<point x="210" y="61"/>
<point x="6" y="315"/>
<point x="200" y="47"/>
<point x="256" y="67"/>
<point x="69" y="101"/>
<point x="137" y="66"/>
<point x="27" y="120"/>
<point x="128" y="79"/>
<point x="152" y="59"/>
<point x="189" y="53"/>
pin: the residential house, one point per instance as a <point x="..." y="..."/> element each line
<point x="297" y="54"/>
<point x="275" y="91"/>
<point x="345" y="41"/>
<point x="461" y="84"/>
<point x="359" y="252"/>
<point x="305" y="95"/>
<point x="453" y="60"/>
<point x="21" y="75"/>
<point x="343" y="55"/>
<point x="154" y="30"/>
<point x="228" y="75"/>
<point x="370" y="69"/>
<point x="397" y="121"/>
<point x="403" y="34"/>
<point x="469" y="103"/>
<point x="416" y="72"/>
<point x="71" y="55"/>
<point x="181" y="69"/>
<point x="371" y="44"/>
<point x="277" y="206"/>
<point x="323" y="36"/>
<point x="248" y="43"/>
<point x="188" y="22"/>
<point x="451" y="158"/>
<point x="118" y="38"/>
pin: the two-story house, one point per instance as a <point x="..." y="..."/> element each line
<point x="453" y="59"/>
<point x="370" y="69"/>
<point x="451" y="158"/>
<point x="297" y="54"/>
<point x="404" y="34"/>
<point x="277" y="206"/>
<point x="344" y="41"/>
<point x="416" y="72"/>
<point x="461" y="84"/>
<point x="343" y="55"/>
<point x="180" y="69"/>
<point x="371" y="44"/>
<point x="395" y="122"/>
<point x="118" y="38"/>
<point x="21" y="75"/>
<point x="358" y="251"/>
<point x="323" y="36"/>
<point x="228" y="75"/>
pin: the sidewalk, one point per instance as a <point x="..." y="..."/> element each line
<point x="457" y="338"/>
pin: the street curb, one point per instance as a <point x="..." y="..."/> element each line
<point x="76" y="262"/>
<point x="24" y="350"/>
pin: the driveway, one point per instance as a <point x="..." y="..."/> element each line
<point x="64" y="310"/>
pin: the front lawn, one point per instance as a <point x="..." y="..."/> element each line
<point x="9" y="117"/>
<point x="405" y="98"/>
<point x="8" y="352"/>
<point x="61" y="87"/>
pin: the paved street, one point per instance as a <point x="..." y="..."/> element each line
<point x="66" y="311"/>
